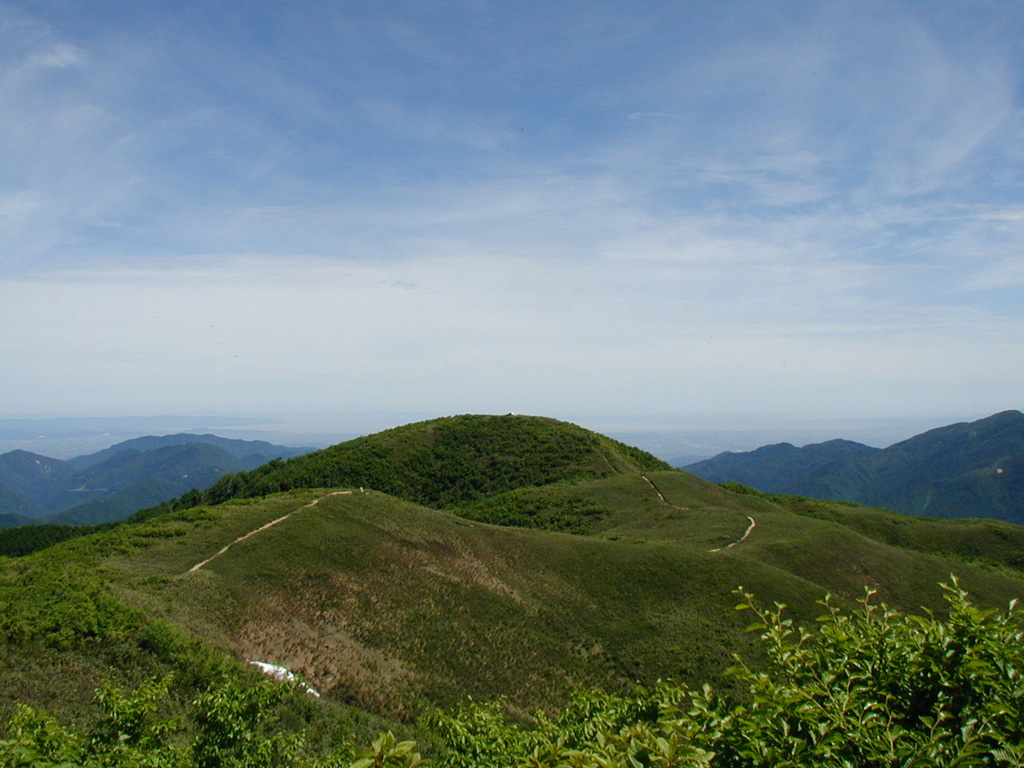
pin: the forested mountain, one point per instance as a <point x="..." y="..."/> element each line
<point x="971" y="469"/>
<point x="242" y="449"/>
<point x="448" y="461"/>
<point x="113" y="483"/>
<point x="16" y="507"/>
<point x="390" y="606"/>
<point x="30" y="479"/>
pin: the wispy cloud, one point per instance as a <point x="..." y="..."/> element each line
<point x="455" y="208"/>
<point x="454" y="328"/>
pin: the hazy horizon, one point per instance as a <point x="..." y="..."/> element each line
<point x="670" y="438"/>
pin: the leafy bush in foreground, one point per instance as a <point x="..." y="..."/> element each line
<point x="870" y="687"/>
<point x="233" y="725"/>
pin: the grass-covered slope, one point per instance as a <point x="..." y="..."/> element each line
<point x="395" y="606"/>
<point x="379" y="602"/>
<point x="839" y="547"/>
<point x="388" y="605"/>
<point x="67" y="632"/>
<point x="447" y="461"/>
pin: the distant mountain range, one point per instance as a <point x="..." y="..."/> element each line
<point x="970" y="469"/>
<point x="113" y="483"/>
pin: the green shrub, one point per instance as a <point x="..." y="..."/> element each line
<point x="875" y="687"/>
<point x="867" y="687"/>
<point x="235" y="726"/>
<point x="870" y="687"/>
<point x="543" y="508"/>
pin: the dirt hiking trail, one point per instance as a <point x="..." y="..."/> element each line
<point x="740" y="540"/>
<point x="271" y="524"/>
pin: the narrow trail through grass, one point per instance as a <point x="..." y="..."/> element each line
<point x="657" y="490"/>
<point x="740" y="540"/>
<point x="271" y="524"/>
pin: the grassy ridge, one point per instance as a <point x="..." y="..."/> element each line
<point x="66" y="631"/>
<point x="985" y="542"/>
<point x="388" y="605"/>
<point x="838" y="546"/>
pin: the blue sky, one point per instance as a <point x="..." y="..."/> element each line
<point x="638" y="211"/>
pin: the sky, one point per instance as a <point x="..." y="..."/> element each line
<point x="621" y="212"/>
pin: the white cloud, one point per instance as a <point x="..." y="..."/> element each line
<point x="806" y="210"/>
<point x="845" y="98"/>
<point x="548" y="334"/>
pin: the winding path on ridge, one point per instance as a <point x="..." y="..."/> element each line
<point x="314" y="502"/>
<point x="264" y="527"/>
<point x="740" y="540"/>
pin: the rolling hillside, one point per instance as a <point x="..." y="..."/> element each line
<point x="973" y="469"/>
<point x="393" y="606"/>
